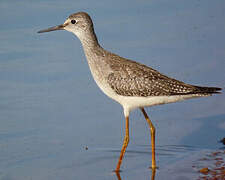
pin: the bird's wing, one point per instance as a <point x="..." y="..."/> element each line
<point x="129" y="78"/>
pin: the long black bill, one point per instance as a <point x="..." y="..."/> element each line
<point x="54" y="28"/>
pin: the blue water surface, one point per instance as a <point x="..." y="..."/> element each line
<point x="55" y="123"/>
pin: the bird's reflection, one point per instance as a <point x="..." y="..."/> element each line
<point x="152" y="176"/>
<point x="118" y="175"/>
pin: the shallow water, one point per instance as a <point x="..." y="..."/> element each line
<point x="56" y="124"/>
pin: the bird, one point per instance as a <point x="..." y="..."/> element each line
<point x="132" y="84"/>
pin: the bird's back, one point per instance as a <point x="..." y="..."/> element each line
<point x="129" y="78"/>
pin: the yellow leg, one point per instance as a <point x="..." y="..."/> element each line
<point x="125" y="144"/>
<point x="152" y="130"/>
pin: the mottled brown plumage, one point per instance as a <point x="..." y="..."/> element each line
<point x="130" y="78"/>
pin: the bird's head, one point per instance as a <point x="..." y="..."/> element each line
<point x="78" y="23"/>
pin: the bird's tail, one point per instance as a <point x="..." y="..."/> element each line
<point x="207" y="90"/>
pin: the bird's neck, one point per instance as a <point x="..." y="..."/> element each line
<point x="91" y="47"/>
<point x="89" y="40"/>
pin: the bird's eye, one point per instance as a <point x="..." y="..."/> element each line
<point x="73" y="21"/>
